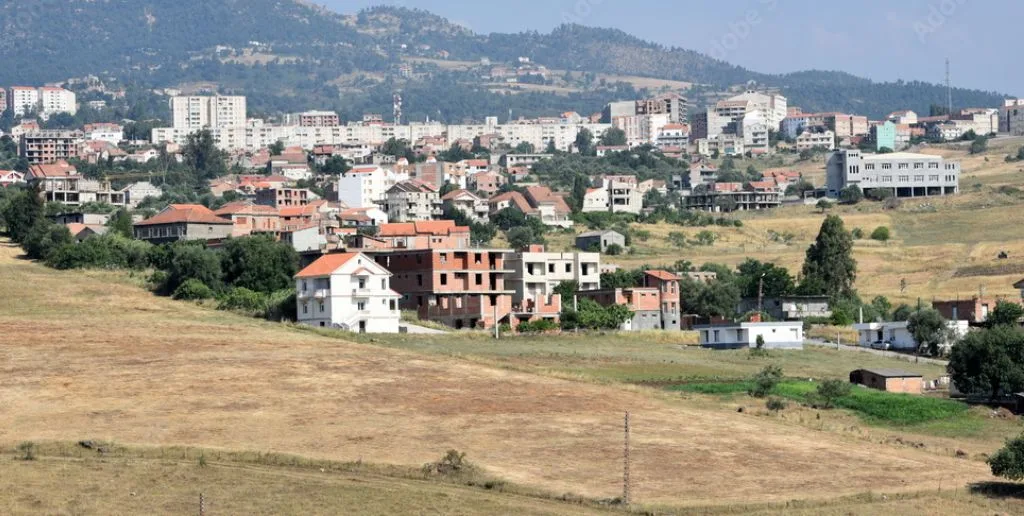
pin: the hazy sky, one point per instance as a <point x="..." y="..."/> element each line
<point x="879" y="39"/>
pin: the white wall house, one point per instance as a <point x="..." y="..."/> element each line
<point x="367" y="186"/>
<point x="348" y="291"/>
<point x="777" y="335"/>
<point x="896" y="335"/>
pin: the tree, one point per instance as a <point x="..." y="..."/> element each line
<point x="988" y="362"/>
<point x="777" y="280"/>
<point x="882" y="307"/>
<point x="259" y="264"/>
<point x="524" y="148"/>
<point x="880" y="234"/>
<point x="1005" y="314"/>
<point x="716" y="299"/>
<point x="824" y="205"/>
<point x="276" y="148"/>
<point x="1009" y="461"/>
<point x="829" y="268"/>
<point x="979" y="145"/>
<point x="902" y="313"/>
<point x="121" y="223"/>
<point x="44" y="238"/>
<point x="592" y="316"/>
<point x="20" y="212"/>
<point x="523" y="237"/>
<point x="482" y="232"/>
<point x="614" y="137"/>
<point x="584" y="141"/>
<point x="765" y="381"/>
<point x="203" y="157"/>
<point x="335" y="166"/>
<point x="567" y="289"/>
<point x="455" y="154"/>
<point x="929" y="329"/>
<point x="831" y="391"/>
<point x="509" y="218"/>
<point x="190" y="261"/>
<point x="851" y="195"/>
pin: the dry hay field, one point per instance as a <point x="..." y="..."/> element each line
<point x="92" y="356"/>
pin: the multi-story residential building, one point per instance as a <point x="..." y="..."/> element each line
<point x="292" y="163"/>
<point x="754" y="127"/>
<point x="722" y="145"/>
<point x="667" y="285"/>
<point x="367" y="186"/>
<point x="50" y="146"/>
<point x="810" y="140"/>
<point x="488" y="183"/>
<point x="319" y="119"/>
<point x="623" y="196"/>
<point x="672" y="104"/>
<point x="437" y="234"/>
<point x="673" y="136"/>
<point x="904" y="174"/>
<point x="536" y="274"/>
<point x="773" y="105"/>
<point x="250" y="218"/>
<point x="284" y="197"/>
<point x="411" y="201"/>
<point x="595" y="200"/>
<point x="884" y="135"/>
<point x="906" y="116"/>
<point x="1011" y="117"/>
<point x="104" y="132"/>
<point x="135" y="193"/>
<point x="24" y="100"/>
<point x="3" y="100"/>
<point x="347" y="291"/>
<point x="467" y="202"/>
<point x="184" y="222"/>
<point x="57" y="100"/>
<point x="207" y="112"/>
<point x="461" y="288"/>
<point x="61" y="182"/>
<point x="727" y="197"/>
<point x="550" y="208"/>
<point x="655" y="304"/>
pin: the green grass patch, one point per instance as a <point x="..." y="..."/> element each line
<point x="877" y="407"/>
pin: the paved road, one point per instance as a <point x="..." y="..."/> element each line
<point x="420" y="330"/>
<point x="879" y="352"/>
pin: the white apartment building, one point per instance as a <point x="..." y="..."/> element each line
<point x="809" y="140"/>
<point x="104" y="132"/>
<point x="207" y="112"/>
<point x="57" y="100"/>
<point x="536" y="274"/>
<point x="722" y="145"/>
<point x="410" y="201"/>
<point x="349" y="292"/>
<point x="367" y="186"/>
<point x="24" y="100"/>
<point x="754" y="128"/>
<point x="905" y="174"/>
<point x="774" y="106"/>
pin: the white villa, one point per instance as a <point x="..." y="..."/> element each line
<point x="347" y="291"/>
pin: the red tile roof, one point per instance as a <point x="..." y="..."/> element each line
<point x="663" y="275"/>
<point x="423" y="227"/>
<point x="326" y="265"/>
<point x="245" y="208"/>
<point x="58" y="169"/>
<point x="187" y="213"/>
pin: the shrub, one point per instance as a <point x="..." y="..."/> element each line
<point x="1009" y="461"/>
<point x="44" y="238"/>
<point x="831" y="391"/>
<point x="879" y="194"/>
<point x="892" y="203"/>
<point x="111" y="251"/>
<point x="281" y="306"/>
<point x="190" y="261"/>
<point x="880" y="234"/>
<point x="193" y="290"/>
<point x="541" y="326"/>
<point x="765" y="381"/>
<point x="243" y="300"/>
<point x="613" y="250"/>
<point x="452" y="463"/>
<point x="775" y="404"/>
<point x="851" y="195"/>
<point x="27" y="450"/>
<point x="857" y="233"/>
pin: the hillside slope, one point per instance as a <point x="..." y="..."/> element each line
<point x="87" y="355"/>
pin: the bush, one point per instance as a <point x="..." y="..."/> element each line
<point x="831" y="391"/>
<point x="880" y="234"/>
<point x="193" y="290"/>
<point x="775" y="404"/>
<point x="243" y="300"/>
<point x="453" y="463"/>
<point x="851" y="195"/>
<point x="613" y="250"/>
<point x="191" y="261"/>
<point x="111" y="251"/>
<point x="765" y="381"/>
<point x="27" y="450"/>
<point x="281" y="306"/>
<point x="879" y="194"/>
<point x="1009" y="461"/>
<point x="857" y="233"/>
<point x="540" y="326"/>
<point x="44" y="238"/>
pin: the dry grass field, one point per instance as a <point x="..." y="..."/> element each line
<point x="92" y="356"/>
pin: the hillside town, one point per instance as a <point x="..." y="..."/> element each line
<point x="406" y="200"/>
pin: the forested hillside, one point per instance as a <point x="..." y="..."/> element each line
<point x="286" y="55"/>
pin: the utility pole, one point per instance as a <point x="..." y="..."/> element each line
<point x="760" y="295"/>
<point x="949" y="91"/>
<point x="497" y="326"/>
<point x="625" y="470"/>
<point x="202" y="505"/>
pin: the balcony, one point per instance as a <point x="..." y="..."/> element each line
<point x="315" y="294"/>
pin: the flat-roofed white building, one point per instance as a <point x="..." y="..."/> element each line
<point x="905" y="174"/>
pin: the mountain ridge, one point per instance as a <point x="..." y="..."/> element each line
<point x="304" y="49"/>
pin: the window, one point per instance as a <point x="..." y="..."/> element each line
<point x="321" y="307"/>
<point x="361" y="306"/>
<point x="479" y="279"/>
<point x="933" y="165"/>
<point x="869" y="166"/>
<point x="444" y="279"/>
<point x="303" y="285"/>
<point x="918" y="178"/>
<point x="886" y="166"/>
<point x="419" y="280"/>
<point x="305" y="308"/>
<point x="568" y="268"/>
<point x="444" y="257"/>
<point x="551" y="268"/>
<point x="904" y="179"/>
<point x="933" y="178"/>
<point x="478" y="258"/>
<point x="383" y="284"/>
<point x="904" y="166"/>
<point x="918" y="166"/>
<point x="886" y="179"/>
<point x="362" y="283"/>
